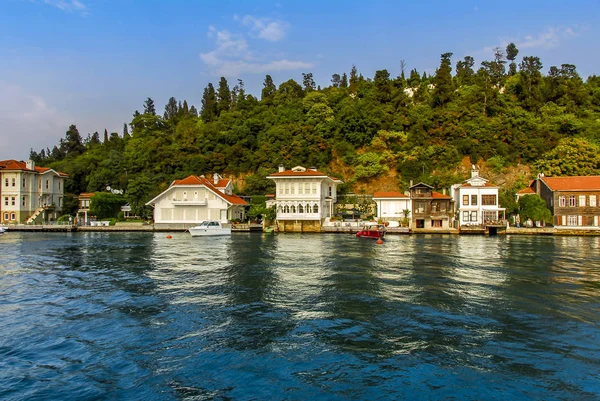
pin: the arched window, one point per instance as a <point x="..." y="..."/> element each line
<point x="300" y="209"/>
<point x="293" y="209"/>
<point x="286" y="209"/>
<point x="279" y="209"/>
<point x="316" y="209"/>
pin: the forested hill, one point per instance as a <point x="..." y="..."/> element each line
<point x="505" y="113"/>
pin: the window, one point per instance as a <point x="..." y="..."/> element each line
<point x="47" y="184"/>
<point x="293" y="188"/>
<point x="593" y="200"/>
<point x="330" y="191"/>
<point x="562" y="201"/>
<point x="5" y="216"/>
<point x="280" y="189"/>
<point x="14" y="182"/>
<point x="473" y="199"/>
<point x="286" y="209"/>
<point x="465" y="216"/>
<point x="300" y="207"/>
<point x="466" y="200"/>
<point x="13" y="201"/>
<point x="39" y="183"/>
<point x="314" y="189"/>
<point x="581" y="200"/>
<point x="473" y="216"/>
<point x="571" y="220"/>
<point x="287" y="188"/>
<point x="6" y="182"/>
<point x="572" y="201"/>
<point x="300" y="189"/>
<point x="23" y="201"/>
<point x="13" y="216"/>
<point x="293" y="209"/>
<point x="315" y="209"/>
<point x="23" y="182"/>
<point x="6" y="201"/>
<point x="59" y="185"/>
<point x="488" y="200"/>
<point x="307" y="188"/>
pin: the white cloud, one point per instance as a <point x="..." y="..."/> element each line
<point x="266" y="28"/>
<point x="68" y="5"/>
<point x="28" y="121"/>
<point x="232" y="57"/>
<point x="548" y="39"/>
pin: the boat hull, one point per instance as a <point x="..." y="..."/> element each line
<point x="375" y="234"/>
<point x="207" y="232"/>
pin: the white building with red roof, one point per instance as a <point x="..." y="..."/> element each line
<point x="303" y="198"/>
<point x="194" y="199"/>
<point x="573" y="201"/>
<point x="476" y="201"/>
<point x="392" y="206"/>
<point x="28" y="192"/>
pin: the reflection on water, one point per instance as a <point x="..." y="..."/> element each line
<point x="263" y="316"/>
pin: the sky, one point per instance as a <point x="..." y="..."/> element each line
<point x="92" y="63"/>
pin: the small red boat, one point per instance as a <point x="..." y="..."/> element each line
<point x="372" y="230"/>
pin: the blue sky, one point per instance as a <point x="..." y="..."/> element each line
<point x="93" y="62"/>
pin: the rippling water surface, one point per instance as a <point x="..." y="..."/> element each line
<point x="298" y="317"/>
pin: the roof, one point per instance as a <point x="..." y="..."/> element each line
<point x="86" y="194"/>
<point x="22" y="166"/>
<point x="196" y="180"/>
<point x="578" y="183"/>
<point x="421" y="184"/>
<point x="526" y="191"/>
<point x="222" y="183"/>
<point x="307" y="173"/>
<point x="389" y="194"/>
<point x="437" y="195"/>
<point x="486" y="184"/>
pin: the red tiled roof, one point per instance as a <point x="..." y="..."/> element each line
<point x="22" y="166"/>
<point x="389" y="194"/>
<point x="526" y="191"/>
<point x="86" y="194"/>
<point x="222" y="183"/>
<point x="580" y="183"/>
<point x="437" y="195"/>
<point x="195" y="180"/>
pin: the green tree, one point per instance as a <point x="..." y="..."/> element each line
<point x="308" y="82"/>
<point x="444" y="88"/>
<point x="171" y="109"/>
<point x="572" y="156"/>
<point x="105" y="205"/>
<point x="336" y="80"/>
<point x="209" y="104"/>
<point x="269" y="89"/>
<point x="533" y="207"/>
<point x="149" y="107"/>
<point x="511" y="55"/>
<point x="224" y="96"/>
<point x="344" y="81"/>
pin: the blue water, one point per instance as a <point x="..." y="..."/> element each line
<point x="298" y="317"/>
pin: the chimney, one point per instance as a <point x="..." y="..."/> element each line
<point x="30" y="164"/>
<point x="410" y="184"/>
<point x="216" y="178"/>
<point x="474" y="171"/>
<point x="281" y="168"/>
<point x="443" y="191"/>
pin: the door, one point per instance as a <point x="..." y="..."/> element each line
<point x="223" y="216"/>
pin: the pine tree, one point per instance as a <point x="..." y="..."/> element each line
<point x="171" y="109"/>
<point x="125" y="131"/>
<point x="94" y="139"/>
<point x="444" y="88"/>
<point x="464" y="71"/>
<point x="209" y="104"/>
<point x="224" y="97"/>
<point x="308" y="82"/>
<point x="105" y="137"/>
<point x="193" y="111"/>
<point x="186" y="110"/>
<point x="269" y="89"/>
<point x="383" y="86"/>
<point x="344" y="81"/>
<point x="149" y="107"/>
<point x="336" y="80"/>
<point x="353" y="80"/>
<point x="511" y="55"/>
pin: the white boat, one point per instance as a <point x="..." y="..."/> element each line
<point x="3" y="229"/>
<point x="209" y="228"/>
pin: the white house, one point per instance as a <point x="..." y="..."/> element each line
<point x="392" y="206"/>
<point x="476" y="201"/>
<point x="189" y="201"/>
<point x="28" y="192"/>
<point x="303" y="198"/>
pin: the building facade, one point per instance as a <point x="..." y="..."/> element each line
<point x="573" y="201"/>
<point x="430" y="209"/>
<point x="476" y="201"/>
<point x="303" y="198"/>
<point x="194" y="199"/>
<point x="29" y="193"/>
<point x="393" y="206"/>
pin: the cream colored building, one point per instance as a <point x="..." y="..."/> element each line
<point x="476" y="202"/>
<point x="189" y="201"/>
<point x="393" y="206"/>
<point x="29" y="193"/>
<point x="304" y="198"/>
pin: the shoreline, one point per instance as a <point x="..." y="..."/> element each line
<point x="544" y="231"/>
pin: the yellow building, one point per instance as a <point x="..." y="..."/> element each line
<point x="29" y="193"/>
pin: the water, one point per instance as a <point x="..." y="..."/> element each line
<point x="298" y="317"/>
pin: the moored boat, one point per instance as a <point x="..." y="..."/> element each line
<point x="372" y="230"/>
<point x="209" y="228"/>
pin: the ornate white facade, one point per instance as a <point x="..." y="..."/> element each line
<point x="476" y="201"/>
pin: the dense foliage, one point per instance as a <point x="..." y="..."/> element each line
<point x="421" y="127"/>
